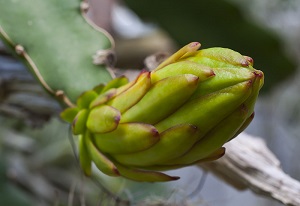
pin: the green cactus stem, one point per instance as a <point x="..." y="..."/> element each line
<point x="56" y="41"/>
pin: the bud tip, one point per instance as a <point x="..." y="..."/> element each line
<point x="249" y="60"/>
<point x="258" y="74"/>
<point x="245" y="63"/>
<point x="175" y="178"/>
<point x="194" y="46"/>
<point x="116" y="171"/>
<point x="117" y="119"/>
<point x="155" y="132"/>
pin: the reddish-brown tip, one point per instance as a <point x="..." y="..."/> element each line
<point x="249" y="60"/>
<point x="155" y="132"/>
<point x="258" y="74"/>
<point x="245" y="63"/>
<point x="194" y="44"/>
<point x="175" y="178"/>
<point x="117" y="119"/>
<point x="212" y="73"/>
<point x="116" y="171"/>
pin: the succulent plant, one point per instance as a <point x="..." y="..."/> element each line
<point x="177" y="115"/>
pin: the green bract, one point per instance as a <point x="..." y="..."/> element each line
<point x="177" y="115"/>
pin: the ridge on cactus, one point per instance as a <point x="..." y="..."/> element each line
<point x="179" y="114"/>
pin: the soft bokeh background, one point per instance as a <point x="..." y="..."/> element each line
<point x="37" y="165"/>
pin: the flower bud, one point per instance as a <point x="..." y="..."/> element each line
<point x="180" y="114"/>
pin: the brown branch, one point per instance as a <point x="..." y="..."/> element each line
<point x="248" y="163"/>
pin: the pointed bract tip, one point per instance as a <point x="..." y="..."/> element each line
<point x="258" y="74"/>
<point x="191" y="47"/>
<point x="117" y="119"/>
<point x="173" y="178"/>
<point x="259" y="77"/>
<point x="212" y="73"/>
<point x="222" y="152"/>
<point x="249" y="60"/>
<point x="195" y="44"/>
<point x="245" y="63"/>
<point x="116" y="171"/>
<point x="155" y="132"/>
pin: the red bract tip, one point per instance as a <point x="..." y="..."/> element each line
<point x="116" y="171"/>
<point x="212" y="73"/>
<point x="245" y="63"/>
<point x="175" y="178"/>
<point x="194" y="44"/>
<point x="155" y="132"/>
<point x="258" y="74"/>
<point x="143" y="71"/>
<point x="249" y="60"/>
<point x="117" y="119"/>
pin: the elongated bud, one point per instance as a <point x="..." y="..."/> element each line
<point x="181" y="113"/>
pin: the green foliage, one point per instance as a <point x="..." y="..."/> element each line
<point x="58" y="40"/>
<point x="219" y="23"/>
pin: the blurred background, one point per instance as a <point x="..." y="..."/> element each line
<point x="34" y="146"/>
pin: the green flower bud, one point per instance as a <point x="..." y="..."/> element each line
<point x="180" y="114"/>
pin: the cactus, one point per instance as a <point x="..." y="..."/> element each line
<point x="57" y="43"/>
